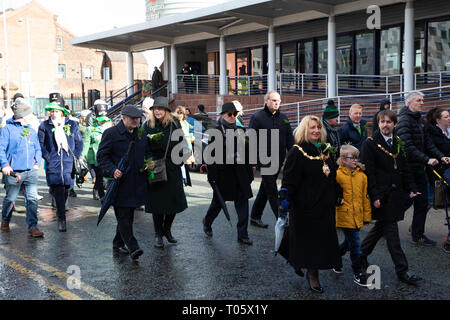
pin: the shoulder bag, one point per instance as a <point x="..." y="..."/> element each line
<point x="159" y="170"/>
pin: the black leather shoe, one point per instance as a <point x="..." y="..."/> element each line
<point x="408" y="279"/>
<point x="72" y="194"/>
<point x="207" y="229"/>
<point x="299" y="272"/>
<point x="159" y="242"/>
<point x="317" y="289"/>
<point x="62" y="225"/>
<point x="246" y="241"/>
<point x="95" y="195"/>
<point x="122" y="250"/>
<point x="170" y="238"/>
<point x="136" y="254"/>
<point x="258" y="223"/>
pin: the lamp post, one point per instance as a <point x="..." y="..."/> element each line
<point x="29" y="54"/>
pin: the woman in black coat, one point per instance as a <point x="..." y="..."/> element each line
<point x="309" y="179"/>
<point x="233" y="180"/>
<point x="165" y="198"/>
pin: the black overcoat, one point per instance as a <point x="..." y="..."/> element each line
<point x="165" y="197"/>
<point x="313" y="241"/>
<point x="112" y="147"/>
<point x="232" y="179"/>
<point x="385" y="183"/>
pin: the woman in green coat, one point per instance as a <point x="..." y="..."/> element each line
<point x="165" y="198"/>
<point x="91" y="140"/>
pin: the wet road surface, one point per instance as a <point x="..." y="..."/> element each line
<point x="197" y="267"/>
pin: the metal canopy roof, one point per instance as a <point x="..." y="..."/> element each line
<point x="232" y="17"/>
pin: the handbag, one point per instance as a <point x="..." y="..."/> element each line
<point x="80" y="166"/>
<point x="439" y="192"/>
<point x="159" y="170"/>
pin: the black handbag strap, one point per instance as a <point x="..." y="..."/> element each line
<point x="168" y="141"/>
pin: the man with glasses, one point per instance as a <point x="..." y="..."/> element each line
<point x="388" y="179"/>
<point x="275" y="122"/>
<point x="233" y="180"/>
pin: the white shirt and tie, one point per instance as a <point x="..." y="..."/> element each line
<point x="388" y="139"/>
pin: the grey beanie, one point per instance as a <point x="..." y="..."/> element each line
<point x="21" y="108"/>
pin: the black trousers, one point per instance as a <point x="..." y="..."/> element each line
<point x="420" y="205"/>
<point x="241" y="206"/>
<point x="60" y="193"/>
<point x="163" y="223"/>
<point x="124" y="230"/>
<point x="99" y="185"/>
<point x="268" y="190"/>
<point x="388" y="230"/>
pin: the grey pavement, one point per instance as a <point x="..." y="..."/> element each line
<point x="197" y="267"/>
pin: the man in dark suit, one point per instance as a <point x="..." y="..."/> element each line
<point x="388" y="179"/>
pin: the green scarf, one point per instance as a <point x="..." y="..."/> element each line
<point x="316" y="144"/>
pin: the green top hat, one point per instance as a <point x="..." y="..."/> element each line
<point x="54" y="105"/>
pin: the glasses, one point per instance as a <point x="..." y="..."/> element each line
<point x="232" y="114"/>
<point x="352" y="158"/>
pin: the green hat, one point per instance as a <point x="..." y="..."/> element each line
<point x="331" y="111"/>
<point x="54" y="105"/>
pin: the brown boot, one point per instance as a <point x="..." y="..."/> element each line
<point x="5" y="226"/>
<point x="35" y="233"/>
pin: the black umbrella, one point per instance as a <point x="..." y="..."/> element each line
<point x="110" y="196"/>
<point x="220" y="198"/>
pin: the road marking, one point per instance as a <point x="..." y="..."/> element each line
<point x="62" y="275"/>
<point x="67" y="295"/>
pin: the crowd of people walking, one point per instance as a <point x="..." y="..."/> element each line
<point x="332" y="178"/>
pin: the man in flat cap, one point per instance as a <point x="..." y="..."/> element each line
<point x="20" y="152"/>
<point x="131" y="194"/>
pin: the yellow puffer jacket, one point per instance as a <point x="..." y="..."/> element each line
<point x="356" y="208"/>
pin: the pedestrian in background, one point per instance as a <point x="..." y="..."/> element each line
<point x="310" y="194"/>
<point x="91" y="141"/>
<point x="354" y="131"/>
<point x="165" y="199"/>
<point x="420" y="152"/>
<point x="131" y="192"/>
<point x="385" y="105"/>
<point x="354" y="209"/>
<point x="60" y="141"/>
<point x="20" y="152"/>
<point x="330" y="122"/>
<point x="388" y="178"/>
<point x="233" y="180"/>
<point x="275" y="122"/>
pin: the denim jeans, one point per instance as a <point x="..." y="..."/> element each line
<point x="352" y="244"/>
<point x="30" y="181"/>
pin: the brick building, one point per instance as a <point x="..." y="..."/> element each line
<point x="55" y="63"/>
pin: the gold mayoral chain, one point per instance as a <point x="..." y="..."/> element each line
<point x="394" y="156"/>
<point x="325" y="168"/>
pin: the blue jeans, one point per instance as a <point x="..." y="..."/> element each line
<point x="352" y="244"/>
<point x="30" y="181"/>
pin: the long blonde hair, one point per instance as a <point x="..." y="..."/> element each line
<point x="301" y="132"/>
<point x="151" y="120"/>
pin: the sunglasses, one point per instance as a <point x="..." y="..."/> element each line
<point x="232" y="114"/>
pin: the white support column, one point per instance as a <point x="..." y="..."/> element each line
<point x="130" y="72"/>
<point x="331" y="57"/>
<point x="166" y="63"/>
<point x="173" y="68"/>
<point x="271" y="57"/>
<point x="409" y="46"/>
<point x="223" y="66"/>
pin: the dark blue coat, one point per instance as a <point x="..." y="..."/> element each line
<point x="113" y="146"/>
<point x="349" y="134"/>
<point x="58" y="168"/>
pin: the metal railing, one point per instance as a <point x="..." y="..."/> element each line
<point x="303" y="84"/>
<point x="354" y="84"/>
<point x="198" y="84"/>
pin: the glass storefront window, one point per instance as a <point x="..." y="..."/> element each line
<point x="344" y="54"/>
<point x="231" y="72"/>
<point x="322" y="49"/>
<point x="390" y="51"/>
<point x="305" y="57"/>
<point x="257" y="61"/>
<point x="365" y="53"/>
<point x="419" y="48"/>
<point x="288" y="63"/>
<point x="439" y="46"/>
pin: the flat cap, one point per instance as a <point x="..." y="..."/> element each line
<point x="132" y="111"/>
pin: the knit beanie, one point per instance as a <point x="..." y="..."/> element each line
<point x="331" y="111"/>
<point x="21" y="108"/>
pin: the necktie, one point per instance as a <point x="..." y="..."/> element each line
<point x="389" y="141"/>
<point x="358" y="127"/>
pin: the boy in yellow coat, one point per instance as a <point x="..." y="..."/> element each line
<point x="355" y="209"/>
